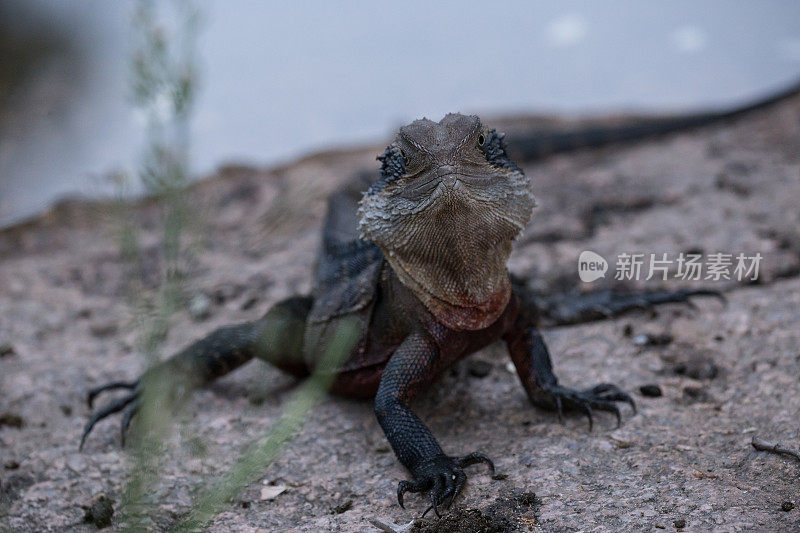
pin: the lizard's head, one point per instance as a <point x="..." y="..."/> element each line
<point x="453" y="174"/>
<point x="448" y="203"/>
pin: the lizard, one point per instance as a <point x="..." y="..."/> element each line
<point x="417" y="266"/>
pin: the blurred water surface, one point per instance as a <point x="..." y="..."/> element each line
<point x="279" y="79"/>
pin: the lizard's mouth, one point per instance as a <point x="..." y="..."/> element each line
<point x="459" y="191"/>
<point x="424" y="187"/>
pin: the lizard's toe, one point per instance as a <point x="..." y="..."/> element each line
<point x="612" y="393"/>
<point x="443" y="478"/>
<point x="603" y="397"/>
<point x="129" y="400"/>
<point x="418" y="485"/>
<point x="95" y="392"/>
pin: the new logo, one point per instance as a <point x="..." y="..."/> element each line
<point x="591" y="266"/>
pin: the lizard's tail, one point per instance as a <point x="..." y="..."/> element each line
<point x="540" y="143"/>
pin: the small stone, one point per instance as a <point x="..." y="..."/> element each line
<point x="697" y="367"/>
<point x="270" y="492"/>
<point x="342" y="507"/>
<point x="478" y="368"/>
<point x="248" y="303"/>
<point x="6" y="349"/>
<point x="651" y="390"/>
<point x="103" y="328"/>
<point x="697" y="395"/>
<point x="787" y="506"/>
<point x="11" y="420"/>
<point x="649" y="339"/>
<point x="200" y="307"/>
<point x="99" y="511"/>
<point x="622" y="444"/>
<point x="500" y="477"/>
<point x="680" y="523"/>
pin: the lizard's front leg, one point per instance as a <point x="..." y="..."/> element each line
<point x="532" y="361"/>
<point x="410" y="370"/>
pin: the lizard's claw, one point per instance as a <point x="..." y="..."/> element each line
<point x="602" y="397"/>
<point x="129" y="402"/>
<point x="443" y="477"/>
<point x="95" y="392"/>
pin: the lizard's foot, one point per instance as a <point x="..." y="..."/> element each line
<point x="603" y="397"/>
<point x="443" y="477"/>
<point x="129" y="402"/>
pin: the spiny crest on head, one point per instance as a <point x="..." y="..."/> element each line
<point x="393" y="166"/>
<point x="494" y="148"/>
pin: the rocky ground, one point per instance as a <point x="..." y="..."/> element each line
<point x="684" y="461"/>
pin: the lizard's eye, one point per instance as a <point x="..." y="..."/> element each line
<point x="481" y="139"/>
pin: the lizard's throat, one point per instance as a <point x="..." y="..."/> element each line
<point x="453" y="256"/>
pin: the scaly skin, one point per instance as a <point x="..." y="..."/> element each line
<point x="425" y="281"/>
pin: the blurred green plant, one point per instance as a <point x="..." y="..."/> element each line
<point x="164" y="87"/>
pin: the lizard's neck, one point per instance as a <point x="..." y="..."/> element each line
<point x="456" y="265"/>
<point x="469" y="313"/>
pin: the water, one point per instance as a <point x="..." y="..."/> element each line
<point x="281" y="79"/>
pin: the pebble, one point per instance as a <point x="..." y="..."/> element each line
<point x="248" y="303"/>
<point x="6" y="349"/>
<point x="478" y="368"/>
<point x="787" y="506"/>
<point x="99" y="511"/>
<point x="649" y="339"/>
<point x="342" y="507"/>
<point x="680" y="523"/>
<point x="103" y="329"/>
<point x="697" y="367"/>
<point x="270" y="492"/>
<point x="651" y="390"/>
<point x="697" y="394"/>
<point x="11" y="420"/>
<point x="200" y="307"/>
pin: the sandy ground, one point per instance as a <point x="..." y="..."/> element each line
<point x="684" y="460"/>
